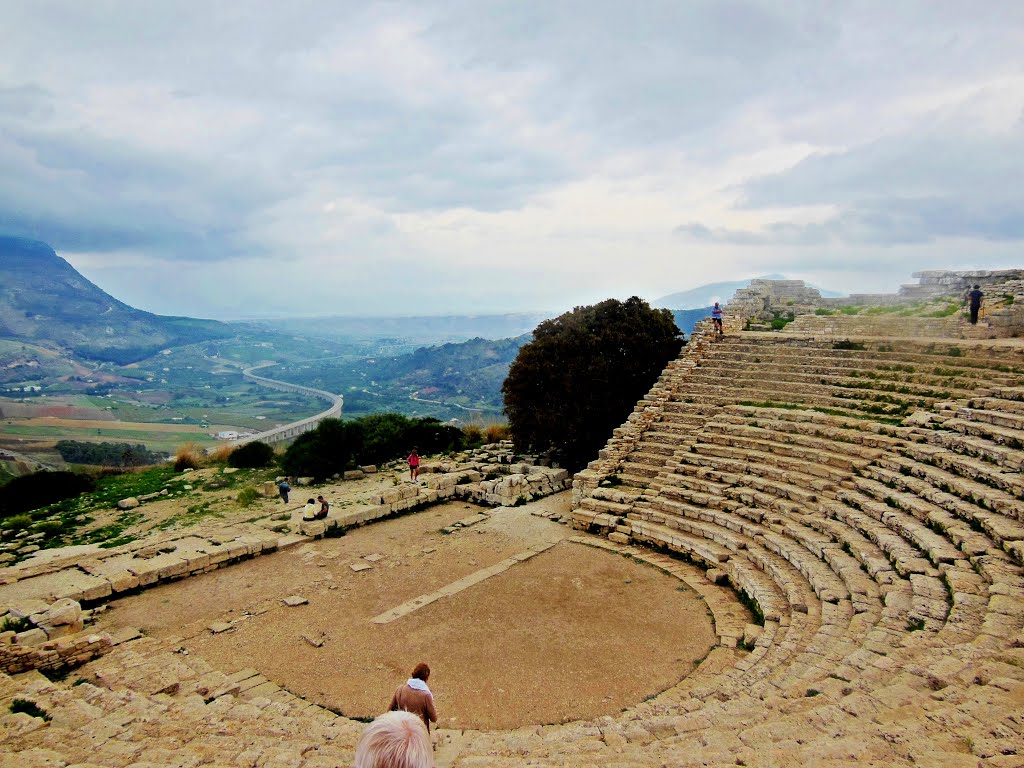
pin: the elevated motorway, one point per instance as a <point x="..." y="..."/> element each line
<point x="295" y="428"/>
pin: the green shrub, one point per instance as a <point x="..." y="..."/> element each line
<point x="247" y="496"/>
<point x="16" y="522"/>
<point x="41" y="489"/>
<point x="30" y="708"/>
<point x="15" y="624"/>
<point x="252" y="455"/>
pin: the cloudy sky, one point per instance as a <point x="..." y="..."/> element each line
<point x="246" y="159"/>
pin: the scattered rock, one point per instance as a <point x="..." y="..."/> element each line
<point x="316" y="642"/>
<point x="375" y="557"/>
<point x="130" y="503"/>
<point x="354" y="474"/>
<point x="293" y="600"/>
<point x="220" y="626"/>
<point x="229" y="470"/>
<point x="716" y="576"/>
<point x="357" y="567"/>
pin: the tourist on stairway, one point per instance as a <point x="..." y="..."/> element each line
<point x="414" y="696"/>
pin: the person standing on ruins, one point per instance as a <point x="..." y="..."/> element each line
<point x="414" y="465"/>
<point x="716" y="319"/>
<point x="414" y="696"/>
<point x="283" y="488"/>
<point x="974" y="302"/>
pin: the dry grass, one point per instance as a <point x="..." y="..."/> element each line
<point x="496" y="432"/>
<point x="189" y="456"/>
<point x="221" y="453"/>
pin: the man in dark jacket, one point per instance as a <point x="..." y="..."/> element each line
<point x="974" y="303"/>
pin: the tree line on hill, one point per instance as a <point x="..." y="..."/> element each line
<point x="108" y="454"/>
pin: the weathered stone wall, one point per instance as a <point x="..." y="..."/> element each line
<point x="52" y="655"/>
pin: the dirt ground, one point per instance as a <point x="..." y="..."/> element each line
<point x="574" y="632"/>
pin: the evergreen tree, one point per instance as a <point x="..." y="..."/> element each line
<point x="582" y="374"/>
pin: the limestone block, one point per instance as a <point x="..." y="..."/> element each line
<point x="716" y="576"/>
<point x="391" y="496"/>
<point x="65" y="611"/>
<point x="62" y="630"/>
<point x="269" y="489"/>
<point x="229" y="470"/>
<point x="368" y="469"/>
<point x="130" y="503"/>
<point x="618" y="538"/>
<point x="31" y="637"/>
<point x="312" y="528"/>
<point x="295" y="600"/>
<point x="303" y="480"/>
<point x="353" y="474"/>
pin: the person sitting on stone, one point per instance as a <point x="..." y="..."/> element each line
<point x="309" y="511"/>
<point x="324" y="508"/>
<point x="414" y="696"/>
<point x="395" y="740"/>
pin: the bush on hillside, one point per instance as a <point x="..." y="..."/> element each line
<point x="329" y="449"/>
<point x="40" y="489"/>
<point x="107" y="454"/>
<point x="252" y="455"/>
<point x="335" y="445"/>
<point x="582" y="375"/>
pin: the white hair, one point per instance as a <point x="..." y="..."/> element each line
<point x="395" y="740"/>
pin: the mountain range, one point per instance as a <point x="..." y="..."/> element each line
<point x="44" y="301"/>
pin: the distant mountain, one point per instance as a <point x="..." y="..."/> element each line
<point x="414" y="331"/>
<point x="687" y="318"/>
<point x="45" y="302"/>
<point x="449" y="380"/>
<point x="706" y="295"/>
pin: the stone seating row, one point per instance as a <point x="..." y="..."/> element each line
<point x="128" y="725"/>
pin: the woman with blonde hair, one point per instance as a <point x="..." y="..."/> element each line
<point x="395" y="740"/>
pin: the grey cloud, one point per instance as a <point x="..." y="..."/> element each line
<point x="905" y="189"/>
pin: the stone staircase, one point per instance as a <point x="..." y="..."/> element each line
<point x="865" y="494"/>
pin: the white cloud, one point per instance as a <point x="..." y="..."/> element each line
<point x="431" y="157"/>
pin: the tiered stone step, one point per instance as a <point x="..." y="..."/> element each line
<point x="161" y="711"/>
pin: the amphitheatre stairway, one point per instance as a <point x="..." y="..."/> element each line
<point x="866" y="494"/>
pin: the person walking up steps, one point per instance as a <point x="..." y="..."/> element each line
<point x="974" y="297"/>
<point x="716" y="319"/>
<point x="283" y="488"/>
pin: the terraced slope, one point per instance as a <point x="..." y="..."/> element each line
<point x="866" y="495"/>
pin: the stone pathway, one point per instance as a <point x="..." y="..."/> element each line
<point x="457" y="586"/>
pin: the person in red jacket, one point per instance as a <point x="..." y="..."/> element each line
<point x="414" y="465"/>
<point x="414" y="696"/>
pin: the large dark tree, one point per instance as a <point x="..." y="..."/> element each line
<point x="582" y="374"/>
